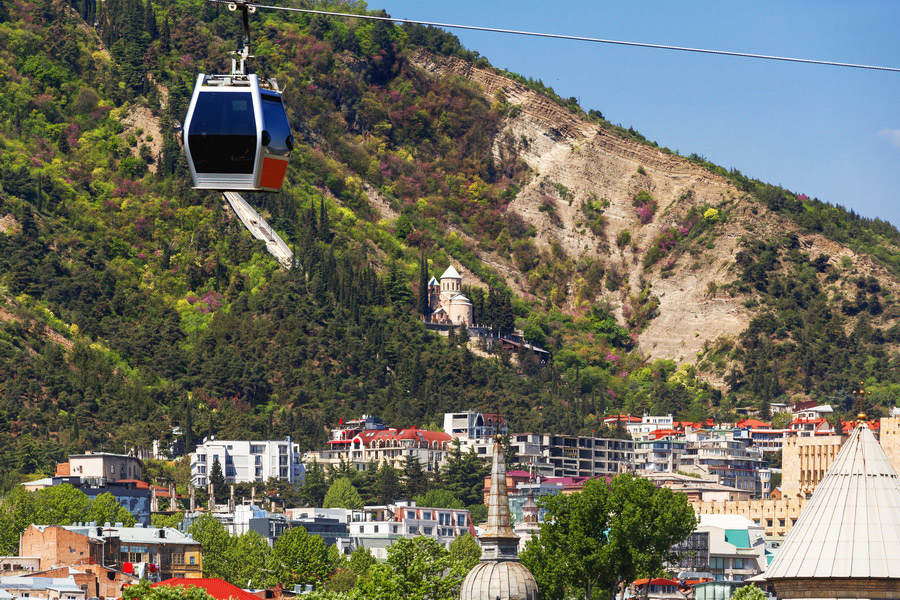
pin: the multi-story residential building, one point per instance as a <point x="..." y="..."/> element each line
<point x="648" y="424"/>
<point x="101" y="466"/>
<point x="658" y="455"/>
<point x="697" y="489"/>
<point x="550" y="455"/>
<point x="474" y="430"/>
<point x="380" y="526"/>
<point x="41" y="588"/>
<point x="96" y="581"/>
<point x="166" y="551"/>
<point x="391" y="446"/>
<point x="737" y="547"/>
<point x="812" y="421"/>
<point x="331" y="526"/>
<point x="730" y="461"/>
<point x="247" y="461"/>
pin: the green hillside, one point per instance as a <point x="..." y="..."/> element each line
<point x="130" y="303"/>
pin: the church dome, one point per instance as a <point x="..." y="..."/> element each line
<point x="505" y="580"/>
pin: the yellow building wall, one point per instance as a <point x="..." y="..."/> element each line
<point x="804" y="461"/>
<point x="890" y="440"/>
<point x="776" y="516"/>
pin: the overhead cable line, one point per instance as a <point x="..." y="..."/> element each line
<point x="576" y="38"/>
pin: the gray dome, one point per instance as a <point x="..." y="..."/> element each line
<point x="505" y="580"/>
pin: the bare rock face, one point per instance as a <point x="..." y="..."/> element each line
<point x="572" y="161"/>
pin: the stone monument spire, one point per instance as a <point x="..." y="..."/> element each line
<point x="499" y="575"/>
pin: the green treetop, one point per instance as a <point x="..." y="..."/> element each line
<point x="596" y="541"/>
<point x="342" y="494"/>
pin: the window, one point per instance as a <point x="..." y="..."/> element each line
<point x="257" y="460"/>
<point x="413" y="530"/>
<point x="427" y="530"/>
<point x="375" y="529"/>
<point x="222" y="136"/>
<point x="257" y="449"/>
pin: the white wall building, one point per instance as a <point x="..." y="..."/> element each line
<point x="380" y="526"/>
<point x="247" y="461"/>
<point x="649" y="424"/>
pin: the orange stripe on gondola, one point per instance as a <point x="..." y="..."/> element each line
<point x="273" y="171"/>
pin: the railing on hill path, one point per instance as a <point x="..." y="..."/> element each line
<point x="260" y="229"/>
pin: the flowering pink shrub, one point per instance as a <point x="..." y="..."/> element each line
<point x="211" y="302"/>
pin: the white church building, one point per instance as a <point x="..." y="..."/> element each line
<point x="446" y="301"/>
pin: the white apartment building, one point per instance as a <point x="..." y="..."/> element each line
<point x="245" y="461"/>
<point x="649" y="424"/>
<point x="380" y="526"/>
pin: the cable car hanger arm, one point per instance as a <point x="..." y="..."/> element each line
<point x="254" y="5"/>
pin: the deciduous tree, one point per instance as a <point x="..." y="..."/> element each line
<point x="342" y="494"/>
<point x="299" y="558"/>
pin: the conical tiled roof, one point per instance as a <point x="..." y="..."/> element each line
<point x="451" y="273"/>
<point x="851" y="526"/>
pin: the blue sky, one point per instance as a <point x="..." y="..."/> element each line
<point x="831" y="133"/>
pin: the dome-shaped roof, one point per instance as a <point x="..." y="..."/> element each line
<point x="460" y="299"/>
<point x="505" y="580"/>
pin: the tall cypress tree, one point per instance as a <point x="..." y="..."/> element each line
<point x="150" y="20"/>
<point x="324" y="226"/>
<point x="423" y="286"/>
<point x="217" y="478"/>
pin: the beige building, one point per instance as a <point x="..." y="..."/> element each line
<point x="101" y="465"/>
<point x="447" y="302"/>
<point x="804" y="462"/>
<point x="776" y="516"/>
<point x="890" y="440"/>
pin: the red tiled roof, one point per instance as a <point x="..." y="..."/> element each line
<point x="625" y="418"/>
<point x="413" y="433"/>
<point x="753" y="424"/>
<point x="217" y="588"/>
<point x="518" y="474"/>
<point x="657" y="581"/>
<point x="661" y="433"/>
<point x="143" y="485"/>
<point x="816" y="422"/>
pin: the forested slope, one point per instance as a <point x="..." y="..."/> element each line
<point x="131" y="304"/>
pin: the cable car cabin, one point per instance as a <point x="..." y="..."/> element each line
<point x="238" y="137"/>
